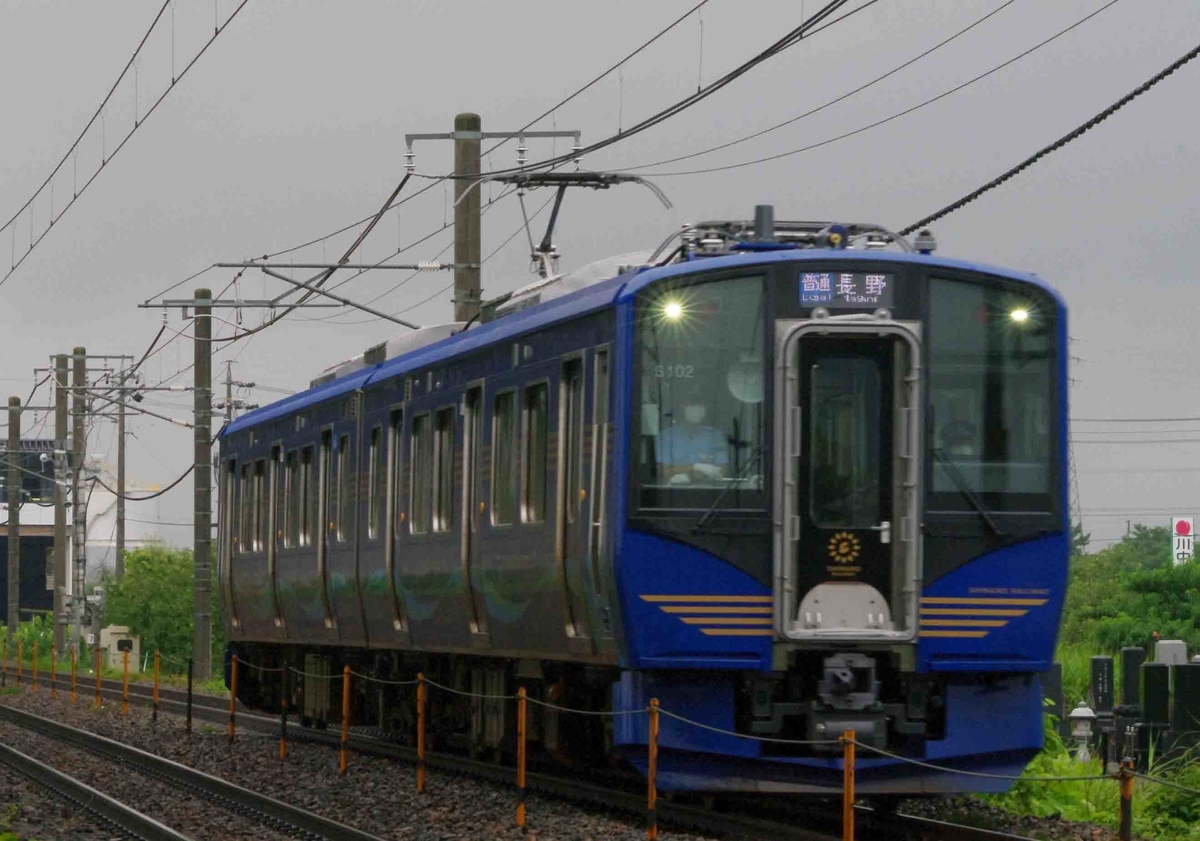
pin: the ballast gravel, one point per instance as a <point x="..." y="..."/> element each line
<point x="376" y="795"/>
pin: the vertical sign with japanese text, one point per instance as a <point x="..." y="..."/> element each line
<point x="1182" y="540"/>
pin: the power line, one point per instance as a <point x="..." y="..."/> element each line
<point x="90" y="122"/>
<point x="483" y="262"/>
<point x="1056" y="145"/>
<point x="138" y="123"/>
<point x="528" y="125"/>
<point x="320" y="278"/>
<point x="791" y="38"/>
<point x="645" y="45"/>
<point x="885" y="120"/>
<point x="827" y="104"/>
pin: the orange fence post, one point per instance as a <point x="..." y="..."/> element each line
<point x="652" y="773"/>
<point x="34" y="687"/>
<point x="232" y="694"/>
<point x="283" y="713"/>
<point x="345" y="718"/>
<point x="97" y="677"/>
<point x="53" y="673"/>
<point x="74" y="657"/>
<point x="20" y="658"/>
<point x="521" y="757"/>
<point x="125" y="686"/>
<point x="420" y="732"/>
<point x="154" y="710"/>
<point x="1125" y="775"/>
<point x="848" y="785"/>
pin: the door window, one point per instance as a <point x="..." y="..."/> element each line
<point x="845" y="438"/>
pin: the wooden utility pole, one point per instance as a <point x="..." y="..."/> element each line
<point x="60" y="497"/>
<point x="202" y="536"/>
<point x="467" y="251"/>
<point x="78" y="495"/>
<point x="13" y="495"/>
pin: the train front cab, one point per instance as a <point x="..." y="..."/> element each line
<point x="915" y="554"/>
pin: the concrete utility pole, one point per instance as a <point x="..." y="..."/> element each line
<point x="60" y="497"/>
<point x="78" y="496"/>
<point x="467" y="293"/>
<point x="120" y="559"/>
<point x="202" y="538"/>
<point x="13" y="493"/>
<point x="467" y="137"/>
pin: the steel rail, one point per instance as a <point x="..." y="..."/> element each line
<point x="267" y="810"/>
<point x="111" y="811"/>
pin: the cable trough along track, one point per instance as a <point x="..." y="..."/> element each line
<point x="215" y="708"/>
<point x="275" y="814"/>
<point x="123" y="819"/>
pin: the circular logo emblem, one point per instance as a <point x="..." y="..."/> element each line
<point x="843" y="547"/>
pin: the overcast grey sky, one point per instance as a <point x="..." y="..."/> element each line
<point x="292" y="125"/>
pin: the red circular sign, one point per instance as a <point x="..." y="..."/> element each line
<point x="1183" y="528"/>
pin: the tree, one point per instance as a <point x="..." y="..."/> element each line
<point x="154" y="600"/>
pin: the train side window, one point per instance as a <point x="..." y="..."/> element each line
<point x="395" y="466"/>
<point x="231" y="507"/>
<point x="307" y="497"/>
<point x="343" y="505"/>
<point x="533" y="454"/>
<point x="246" y="509"/>
<point x="422" y="473"/>
<point x="504" y="458"/>
<point x="443" y="514"/>
<point x="260" y="505"/>
<point x="291" y="502"/>
<point x="375" y="482"/>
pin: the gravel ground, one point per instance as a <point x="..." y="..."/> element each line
<point x="195" y="818"/>
<point x="379" y="796"/>
<point x="376" y="795"/>
<point x="32" y="812"/>
<point x="973" y="812"/>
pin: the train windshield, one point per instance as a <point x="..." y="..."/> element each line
<point x="991" y="384"/>
<point x="700" y="403"/>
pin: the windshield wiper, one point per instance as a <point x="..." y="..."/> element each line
<point x="964" y="488"/>
<point x="733" y="483"/>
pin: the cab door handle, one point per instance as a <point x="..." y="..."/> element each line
<point x="885" y="531"/>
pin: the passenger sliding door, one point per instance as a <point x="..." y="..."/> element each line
<point x="572" y="532"/>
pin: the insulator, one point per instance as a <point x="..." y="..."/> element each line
<point x="410" y="158"/>
<point x="430" y="266"/>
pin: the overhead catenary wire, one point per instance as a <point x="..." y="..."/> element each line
<point x="108" y="158"/>
<point x="829" y="103"/>
<point x="320" y="278"/>
<point x="1057" y="144"/>
<point x="96" y="115"/>
<point x="789" y="39"/>
<point x="885" y="120"/>
<point x="605" y="74"/>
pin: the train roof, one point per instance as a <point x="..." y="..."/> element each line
<point x="570" y="296"/>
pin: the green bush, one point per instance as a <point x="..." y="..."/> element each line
<point x="154" y="600"/>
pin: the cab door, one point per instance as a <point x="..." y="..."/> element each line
<point x="845" y="494"/>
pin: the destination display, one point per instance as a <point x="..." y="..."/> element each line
<point x="846" y="289"/>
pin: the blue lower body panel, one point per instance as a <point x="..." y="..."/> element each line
<point x="991" y="729"/>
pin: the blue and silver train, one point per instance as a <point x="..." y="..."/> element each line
<point x="790" y="479"/>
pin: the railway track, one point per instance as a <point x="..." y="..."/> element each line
<point x="273" y="814"/>
<point x="215" y="708"/>
<point x="122" y="818"/>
